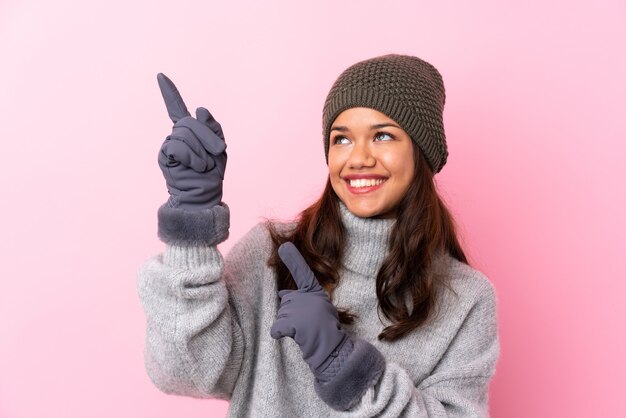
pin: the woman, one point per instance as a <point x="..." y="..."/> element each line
<point x="411" y="329"/>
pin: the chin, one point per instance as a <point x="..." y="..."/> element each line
<point x="365" y="212"/>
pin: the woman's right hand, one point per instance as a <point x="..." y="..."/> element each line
<point x="193" y="157"/>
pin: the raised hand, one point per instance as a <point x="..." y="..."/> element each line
<point x="193" y="157"/>
<point x="307" y="314"/>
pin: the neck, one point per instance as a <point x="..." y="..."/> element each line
<point x="366" y="242"/>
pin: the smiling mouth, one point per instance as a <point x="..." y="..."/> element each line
<point x="362" y="186"/>
<point x="360" y="183"/>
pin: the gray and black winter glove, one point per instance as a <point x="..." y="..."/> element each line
<point x="193" y="161"/>
<point x="344" y="368"/>
<point x="193" y="157"/>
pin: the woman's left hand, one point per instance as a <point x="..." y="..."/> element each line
<point x="307" y="315"/>
<point x="343" y="368"/>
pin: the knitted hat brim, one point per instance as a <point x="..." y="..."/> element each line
<point x="395" y="110"/>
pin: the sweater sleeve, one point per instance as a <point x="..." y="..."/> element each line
<point x="457" y="387"/>
<point x="195" y="340"/>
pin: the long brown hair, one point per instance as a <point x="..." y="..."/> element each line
<point x="424" y="230"/>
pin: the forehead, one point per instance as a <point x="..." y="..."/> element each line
<point x="356" y="115"/>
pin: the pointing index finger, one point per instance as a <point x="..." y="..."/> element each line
<point x="173" y="101"/>
<point x="302" y="274"/>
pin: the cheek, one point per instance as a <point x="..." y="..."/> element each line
<point x="403" y="169"/>
<point x="334" y="165"/>
<point x="409" y="172"/>
<point x="333" y="171"/>
<point x="399" y="164"/>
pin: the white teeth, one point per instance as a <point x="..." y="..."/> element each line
<point x="365" y="182"/>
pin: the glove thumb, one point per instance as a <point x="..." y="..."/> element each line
<point x="203" y="115"/>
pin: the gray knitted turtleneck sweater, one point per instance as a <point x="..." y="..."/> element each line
<point x="209" y="320"/>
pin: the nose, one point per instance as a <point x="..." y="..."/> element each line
<point x="361" y="156"/>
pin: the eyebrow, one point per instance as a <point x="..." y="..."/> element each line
<point x="377" y="126"/>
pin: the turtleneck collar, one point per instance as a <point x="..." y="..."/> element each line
<point x="366" y="242"/>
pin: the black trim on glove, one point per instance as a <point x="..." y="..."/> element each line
<point x="187" y="228"/>
<point x="359" y="372"/>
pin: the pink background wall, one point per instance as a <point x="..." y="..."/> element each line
<point x="535" y="126"/>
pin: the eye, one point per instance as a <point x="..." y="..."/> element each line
<point x="384" y="136"/>
<point x="340" y="139"/>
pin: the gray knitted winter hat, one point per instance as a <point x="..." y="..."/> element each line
<point x="405" y="88"/>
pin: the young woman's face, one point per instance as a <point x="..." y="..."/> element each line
<point x="370" y="162"/>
